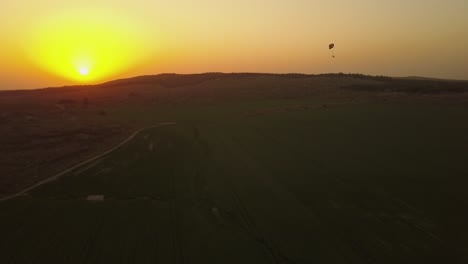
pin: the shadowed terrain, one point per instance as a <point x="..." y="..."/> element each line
<point x="249" y="168"/>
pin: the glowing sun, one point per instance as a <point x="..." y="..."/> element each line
<point x="86" y="45"/>
<point x="83" y="71"/>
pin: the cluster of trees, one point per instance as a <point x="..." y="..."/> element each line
<point x="358" y="76"/>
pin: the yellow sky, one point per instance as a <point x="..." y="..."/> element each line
<point x="59" y="42"/>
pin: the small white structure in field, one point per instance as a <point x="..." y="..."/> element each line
<point x="95" y="198"/>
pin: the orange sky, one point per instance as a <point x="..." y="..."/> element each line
<point x="52" y="42"/>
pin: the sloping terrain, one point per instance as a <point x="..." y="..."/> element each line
<point x="283" y="172"/>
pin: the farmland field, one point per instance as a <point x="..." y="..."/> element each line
<point x="261" y="181"/>
<point x="357" y="183"/>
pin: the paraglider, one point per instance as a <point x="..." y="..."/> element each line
<point x="330" y="47"/>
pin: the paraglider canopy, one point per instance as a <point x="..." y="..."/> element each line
<point x="330" y="47"/>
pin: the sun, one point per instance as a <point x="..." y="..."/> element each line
<point x="86" y="46"/>
<point x="83" y="71"/>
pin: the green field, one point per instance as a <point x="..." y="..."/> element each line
<point x="344" y="183"/>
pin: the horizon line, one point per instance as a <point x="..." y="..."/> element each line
<point x="409" y="77"/>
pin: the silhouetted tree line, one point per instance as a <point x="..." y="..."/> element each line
<point x="412" y="86"/>
<point x="357" y="76"/>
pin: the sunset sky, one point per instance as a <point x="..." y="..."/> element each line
<point x="59" y="42"/>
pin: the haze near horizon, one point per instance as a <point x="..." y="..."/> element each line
<point x="53" y="43"/>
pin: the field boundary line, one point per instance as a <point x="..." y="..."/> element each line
<point x="74" y="167"/>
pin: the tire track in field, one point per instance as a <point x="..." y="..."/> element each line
<point x="60" y="174"/>
<point x="270" y="248"/>
<point x="249" y="226"/>
<point x="90" y="244"/>
<point x="176" y="232"/>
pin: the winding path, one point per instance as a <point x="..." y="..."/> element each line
<point x="60" y="174"/>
